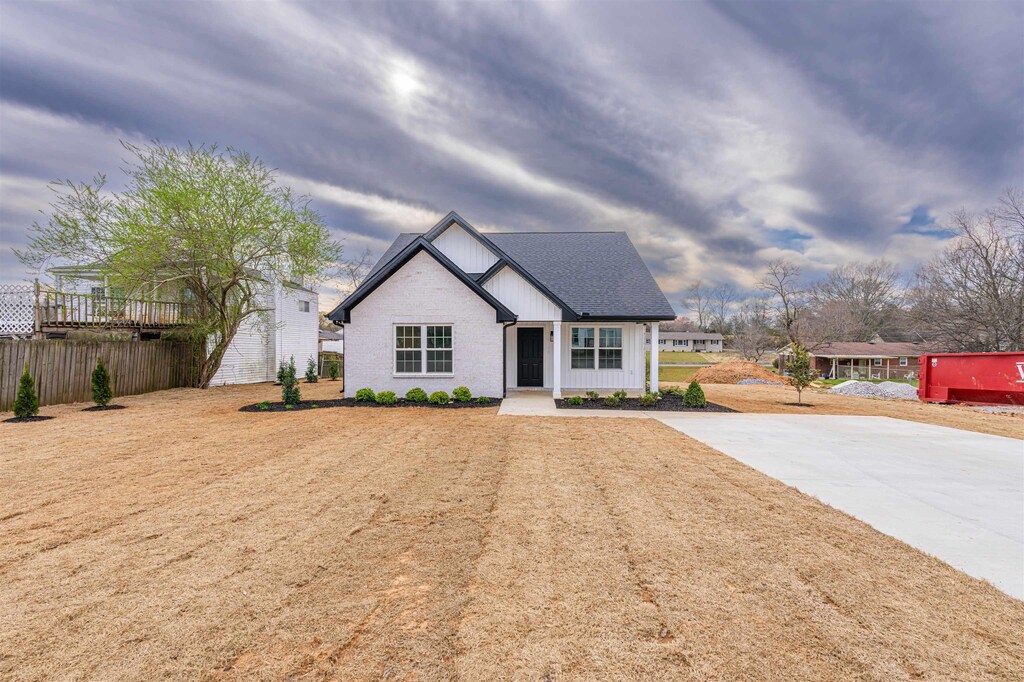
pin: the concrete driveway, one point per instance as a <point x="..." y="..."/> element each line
<point x="955" y="494"/>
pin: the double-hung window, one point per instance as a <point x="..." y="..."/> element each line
<point x="609" y="352"/>
<point x="903" y="362"/>
<point x="423" y="349"/>
<point x="595" y="348"/>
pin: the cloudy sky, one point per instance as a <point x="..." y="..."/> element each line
<point x="718" y="135"/>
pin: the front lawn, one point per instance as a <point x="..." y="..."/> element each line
<point x="676" y="375"/>
<point x="183" y="539"/>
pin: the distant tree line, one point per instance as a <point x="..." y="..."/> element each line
<point x="969" y="297"/>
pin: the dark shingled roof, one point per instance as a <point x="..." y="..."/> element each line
<point x="598" y="274"/>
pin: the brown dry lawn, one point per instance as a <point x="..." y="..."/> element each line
<point x="183" y="539"/>
<point x="778" y="399"/>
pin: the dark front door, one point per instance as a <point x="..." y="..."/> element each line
<point x="530" y="354"/>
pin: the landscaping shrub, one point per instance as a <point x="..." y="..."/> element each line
<point x="312" y="375"/>
<point x="484" y="400"/>
<point x="290" y="393"/>
<point x="386" y="398"/>
<point x="593" y="395"/>
<point x="102" y="391"/>
<point x="461" y="394"/>
<point x="439" y="398"/>
<point x="673" y="390"/>
<point x="800" y="372"/>
<point x="574" y="400"/>
<point x="416" y="395"/>
<point x="648" y="399"/>
<point x="612" y="400"/>
<point x="333" y="370"/>
<point x="265" y="405"/>
<point x="26" y="402"/>
<point x="694" y="396"/>
<point x="620" y="394"/>
<point x="365" y="395"/>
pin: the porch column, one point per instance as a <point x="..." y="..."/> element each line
<point x="654" y="357"/>
<point x="556" y="359"/>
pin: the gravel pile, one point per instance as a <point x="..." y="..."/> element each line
<point x="865" y="389"/>
<point x="759" y="381"/>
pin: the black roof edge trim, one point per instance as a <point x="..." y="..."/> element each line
<point x="454" y="218"/>
<point x="343" y="309"/>
<point x="491" y="271"/>
<point x="621" y="318"/>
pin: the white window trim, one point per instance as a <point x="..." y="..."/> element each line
<point x="597" y="346"/>
<point x="422" y="349"/>
<point x="876" y="362"/>
<point x="904" y="362"/>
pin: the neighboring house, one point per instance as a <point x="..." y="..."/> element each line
<point x="548" y="310"/>
<point x="332" y="341"/>
<point x="698" y="342"/>
<point x="876" y="359"/>
<point x="82" y="299"/>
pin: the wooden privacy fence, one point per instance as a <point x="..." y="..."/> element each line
<point x="63" y="369"/>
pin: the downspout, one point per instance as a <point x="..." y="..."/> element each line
<point x="504" y="357"/>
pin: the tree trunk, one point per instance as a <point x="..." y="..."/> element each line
<point x="208" y="368"/>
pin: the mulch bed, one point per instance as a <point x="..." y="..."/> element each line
<point x="103" y="408"/>
<point x="668" y="403"/>
<point x="351" y="402"/>
<point x="21" y="420"/>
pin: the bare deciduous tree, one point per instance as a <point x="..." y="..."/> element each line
<point x="752" y="333"/>
<point x="971" y="296"/>
<point x="782" y="282"/>
<point x="721" y="299"/>
<point x="354" y="271"/>
<point x="864" y="296"/>
<point x="698" y="301"/>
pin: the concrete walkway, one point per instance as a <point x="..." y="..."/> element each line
<point x="957" y="495"/>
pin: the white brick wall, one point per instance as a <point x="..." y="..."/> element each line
<point x="423" y="292"/>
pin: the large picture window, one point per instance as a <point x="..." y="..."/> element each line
<point x="423" y="349"/>
<point x="595" y="348"/>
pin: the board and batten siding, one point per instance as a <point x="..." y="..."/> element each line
<point x="423" y="292"/>
<point x="631" y="377"/>
<point x="521" y="297"/>
<point x="465" y="250"/>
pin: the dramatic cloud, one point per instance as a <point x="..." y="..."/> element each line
<point x="717" y="135"/>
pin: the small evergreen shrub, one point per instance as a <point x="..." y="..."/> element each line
<point x="289" y="407"/>
<point x="574" y="400"/>
<point x="265" y="405"/>
<point x="26" y="402"/>
<point x="612" y="400"/>
<point x="593" y="395"/>
<point x="290" y="393"/>
<point x="365" y="395"/>
<point x="102" y="391"/>
<point x="311" y="374"/>
<point x="386" y="398"/>
<point x="694" y="396"/>
<point x="439" y="398"/>
<point x="416" y="395"/>
<point x="333" y="370"/>
<point x="484" y="400"/>
<point x="648" y="399"/>
<point x="461" y="394"/>
<point x="673" y="390"/>
<point x="620" y="394"/>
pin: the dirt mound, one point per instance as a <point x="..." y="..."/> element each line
<point x="732" y="371"/>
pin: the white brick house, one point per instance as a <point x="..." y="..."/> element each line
<point x="550" y="310"/>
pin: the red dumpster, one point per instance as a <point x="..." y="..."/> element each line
<point x="976" y="378"/>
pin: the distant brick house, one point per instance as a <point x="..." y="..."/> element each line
<point x="876" y="359"/>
